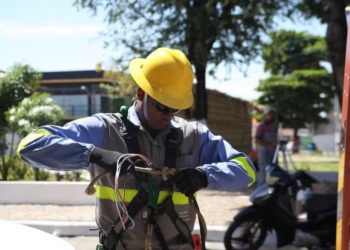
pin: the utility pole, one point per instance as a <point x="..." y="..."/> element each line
<point x="342" y="240"/>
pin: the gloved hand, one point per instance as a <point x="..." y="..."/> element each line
<point x="105" y="159"/>
<point x="190" y="180"/>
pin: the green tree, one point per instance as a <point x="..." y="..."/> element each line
<point x="331" y="12"/>
<point x="303" y="97"/>
<point x="210" y="32"/>
<point x="300" y="88"/>
<point x="290" y="50"/>
<point x="37" y="110"/>
<point x="121" y="88"/>
<point x="19" y="82"/>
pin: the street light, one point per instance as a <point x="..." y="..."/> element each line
<point x="84" y="88"/>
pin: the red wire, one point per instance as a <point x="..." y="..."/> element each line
<point x="116" y="184"/>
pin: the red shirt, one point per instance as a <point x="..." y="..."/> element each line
<point x="267" y="132"/>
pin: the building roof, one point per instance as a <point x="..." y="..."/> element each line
<point x="81" y="76"/>
<point x="72" y="74"/>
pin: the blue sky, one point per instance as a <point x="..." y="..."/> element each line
<point x="55" y="36"/>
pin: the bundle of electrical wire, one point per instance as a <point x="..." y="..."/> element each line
<point x="120" y="199"/>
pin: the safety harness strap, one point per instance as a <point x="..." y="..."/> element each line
<point x="161" y="238"/>
<point x="139" y="201"/>
<point x="171" y="148"/>
<point x="158" y="233"/>
<point x="180" y="225"/>
<point x="129" y="132"/>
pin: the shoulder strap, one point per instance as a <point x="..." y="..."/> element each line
<point x="171" y="148"/>
<point x="129" y="132"/>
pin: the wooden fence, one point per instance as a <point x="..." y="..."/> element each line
<point x="231" y="118"/>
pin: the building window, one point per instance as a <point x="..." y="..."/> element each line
<point x="73" y="105"/>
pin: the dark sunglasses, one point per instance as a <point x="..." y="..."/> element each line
<point x="164" y="109"/>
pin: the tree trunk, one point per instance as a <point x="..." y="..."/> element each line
<point x="5" y="173"/>
<point x="296" y="134"/>
<point x="201" y="110"/>
<point x="36" y="170"/>
<point x="12" y="142"/>
<point x="4" y="169"/>
<point x="336" y="36"/>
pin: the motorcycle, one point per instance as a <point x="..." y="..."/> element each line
<point x="271" y="211"/>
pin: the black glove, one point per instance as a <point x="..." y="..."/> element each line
<point x="105" y="159"/>
<point x="190" y="180"/>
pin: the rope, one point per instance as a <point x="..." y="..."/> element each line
<point x="90" y="190"/>
<point x="203" y="226"/>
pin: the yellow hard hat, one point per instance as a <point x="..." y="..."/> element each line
<point x="166" y="75"/>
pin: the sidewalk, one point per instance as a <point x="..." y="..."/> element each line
<point x="89" y="243"/>
<point x="217" y="207"/>
<point x="311" y="158"/>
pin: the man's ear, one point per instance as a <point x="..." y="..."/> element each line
<point x="140" y="94"/>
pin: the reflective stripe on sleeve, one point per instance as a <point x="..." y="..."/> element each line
<point x="245" y="164"/>
<point x="29" y="138"/>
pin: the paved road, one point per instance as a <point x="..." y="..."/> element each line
<point x="89" y="243"/>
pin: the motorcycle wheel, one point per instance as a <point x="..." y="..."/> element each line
<point x="245" y="235"/>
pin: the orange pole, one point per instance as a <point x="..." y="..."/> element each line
<point x="342" y="241"/>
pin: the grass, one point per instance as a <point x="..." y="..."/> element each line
<point x="317" y="166"/>
<point x="317" y="153"/>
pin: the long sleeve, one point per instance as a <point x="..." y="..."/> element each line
<point x="62" y="148"/>
<point x="225" y="167"/>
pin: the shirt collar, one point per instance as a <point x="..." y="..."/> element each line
<point x="132" y="116"/>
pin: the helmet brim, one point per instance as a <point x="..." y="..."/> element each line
<point x="135" y="68"/>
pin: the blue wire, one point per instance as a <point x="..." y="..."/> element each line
<point x="121" y="206"/>
<point x="119" y="202"/>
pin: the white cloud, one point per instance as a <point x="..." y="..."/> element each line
<point x="14" y="29"/>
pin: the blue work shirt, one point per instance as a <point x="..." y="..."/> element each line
<point x="68" y="148"/>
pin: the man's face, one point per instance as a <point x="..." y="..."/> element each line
<point x="157" y="120"/>
<point x="270" y="116"/>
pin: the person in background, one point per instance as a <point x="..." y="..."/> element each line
<point x="266" y="141"/>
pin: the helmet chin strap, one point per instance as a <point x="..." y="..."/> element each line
<point x="144" y="107"/>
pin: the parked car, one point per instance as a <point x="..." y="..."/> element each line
<point x="16" y="236"/>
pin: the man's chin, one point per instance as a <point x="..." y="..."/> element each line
<point x="161" y="126"/>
